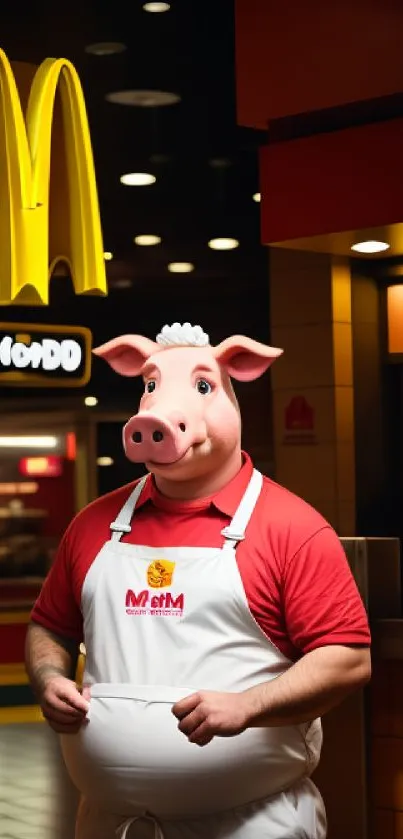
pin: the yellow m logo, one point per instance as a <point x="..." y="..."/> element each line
<point x="46" y="220"/>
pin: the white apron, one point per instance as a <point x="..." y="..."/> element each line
<point x="160" y="624"/>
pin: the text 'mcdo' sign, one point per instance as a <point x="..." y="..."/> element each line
<point x="39" y="355"/>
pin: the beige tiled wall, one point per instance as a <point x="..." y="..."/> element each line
<point x="311" y="320"/>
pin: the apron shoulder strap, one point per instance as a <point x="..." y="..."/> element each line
<point x="122" y="524"/>
<point x="235" y="531"/>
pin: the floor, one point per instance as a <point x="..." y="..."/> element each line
<point x="34" y="803"/>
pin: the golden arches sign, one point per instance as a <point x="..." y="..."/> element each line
<point x="33" y="236"/>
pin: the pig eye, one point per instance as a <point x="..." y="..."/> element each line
<point x="150" y="386"/>
<point x="203" y="387"/>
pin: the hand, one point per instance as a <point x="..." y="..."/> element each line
<point x="209" y="714"/>
<point x="63" y="706"/>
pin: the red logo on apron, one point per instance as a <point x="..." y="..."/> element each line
<point x="147" y="603"/>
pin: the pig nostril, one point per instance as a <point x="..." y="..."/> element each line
<point x="158" y="436"/>
<point x="182" y="426"/>
<point x="137" y="438"/>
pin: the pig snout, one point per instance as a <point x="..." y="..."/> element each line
<point x="148" y="437"/>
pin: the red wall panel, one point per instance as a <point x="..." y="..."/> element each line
<point x="297" y="57"/>
<point x="332" y="182"/>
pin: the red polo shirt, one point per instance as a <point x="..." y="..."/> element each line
<point x="296" y="577"/>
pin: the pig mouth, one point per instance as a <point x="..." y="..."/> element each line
<point x="179" y="459"/>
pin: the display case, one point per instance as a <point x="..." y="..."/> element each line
<point x="24" y="551"/>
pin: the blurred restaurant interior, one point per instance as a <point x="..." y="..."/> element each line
<point x="248" y="165"/>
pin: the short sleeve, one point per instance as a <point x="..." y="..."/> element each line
<point x="322" y="604"/>
<point x="56" y="607"/>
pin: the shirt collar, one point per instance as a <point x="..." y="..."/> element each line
<point x="225" y="501"/>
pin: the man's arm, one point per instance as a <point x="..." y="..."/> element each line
<point x="48" y="654"/>
<point x="50" y="651"/>
<point x="316" y="683"/>
<point x="326" y="621"/>
<point x="308" y="689"/>
<point x="50" y="663"/>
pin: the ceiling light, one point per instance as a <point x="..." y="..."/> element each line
<point x="137" y="179"/>
<point x="156" y="8"/>
<point x="220" y="162"/>
<point x="23" y="442"/>
<point x="108" y="255"/>
<point x="180" y="267"/>
<point x="143" y="98"/>
<point x="160" y="159"/>
<point x="122" y="282"/>
<point x="370" y="247"/>
<point x="223" y="244"/>
<point x="147" y="239"/>
<point x="90" y="401"/>
<point x="105" y="461"/>
<point x="105" y="48"/>
<point x="257" y="197"/>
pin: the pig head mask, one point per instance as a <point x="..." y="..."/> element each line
<point x="188" y="423"/>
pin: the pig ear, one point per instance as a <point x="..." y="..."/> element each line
<point x="127" y="353"/>
<point x="245" y="359"/>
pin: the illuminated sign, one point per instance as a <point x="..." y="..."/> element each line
<point x="41" y="467"/>
<point x="44" y="356"/>
<point x="34" y="240"/>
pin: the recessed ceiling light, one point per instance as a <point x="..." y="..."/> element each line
<point x="90" y="401"/>
<point x="180" y="267"/>
<point x="370" y="247"/>
<point x="138" y="179"/>
<point x="159" y="158"/>
<point x="156" y="8"/>
<point x="105" y="461"/>
<point x="143" y="98"/>
<point x="223" y="244"/>
<point x="108" y="255"/>
<point x="220" y="162"/>
<point x="147" y="239"/>
<point x="123" y="282"/>
<point x="257" y="197"/>
<point x="106" y="48"/>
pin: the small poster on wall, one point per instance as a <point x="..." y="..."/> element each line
<point x="299" y="422"/>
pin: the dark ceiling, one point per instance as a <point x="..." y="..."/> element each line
<point x="206" y="167"/>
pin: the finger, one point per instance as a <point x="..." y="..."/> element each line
<point x="86" y="693"/>
<point x="60" y="717"/>
<point x="202" y="735"/>
<point x="59" y="705"/>
<point x="74" y="698"/>
<point x="192" y="721"/>
<point x="186" y="705"/>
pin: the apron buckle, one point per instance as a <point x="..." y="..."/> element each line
<point x="119" y="527"/>
<point x="230" y="534"/>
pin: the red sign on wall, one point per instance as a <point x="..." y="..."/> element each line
<point x="299" y="422"/>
